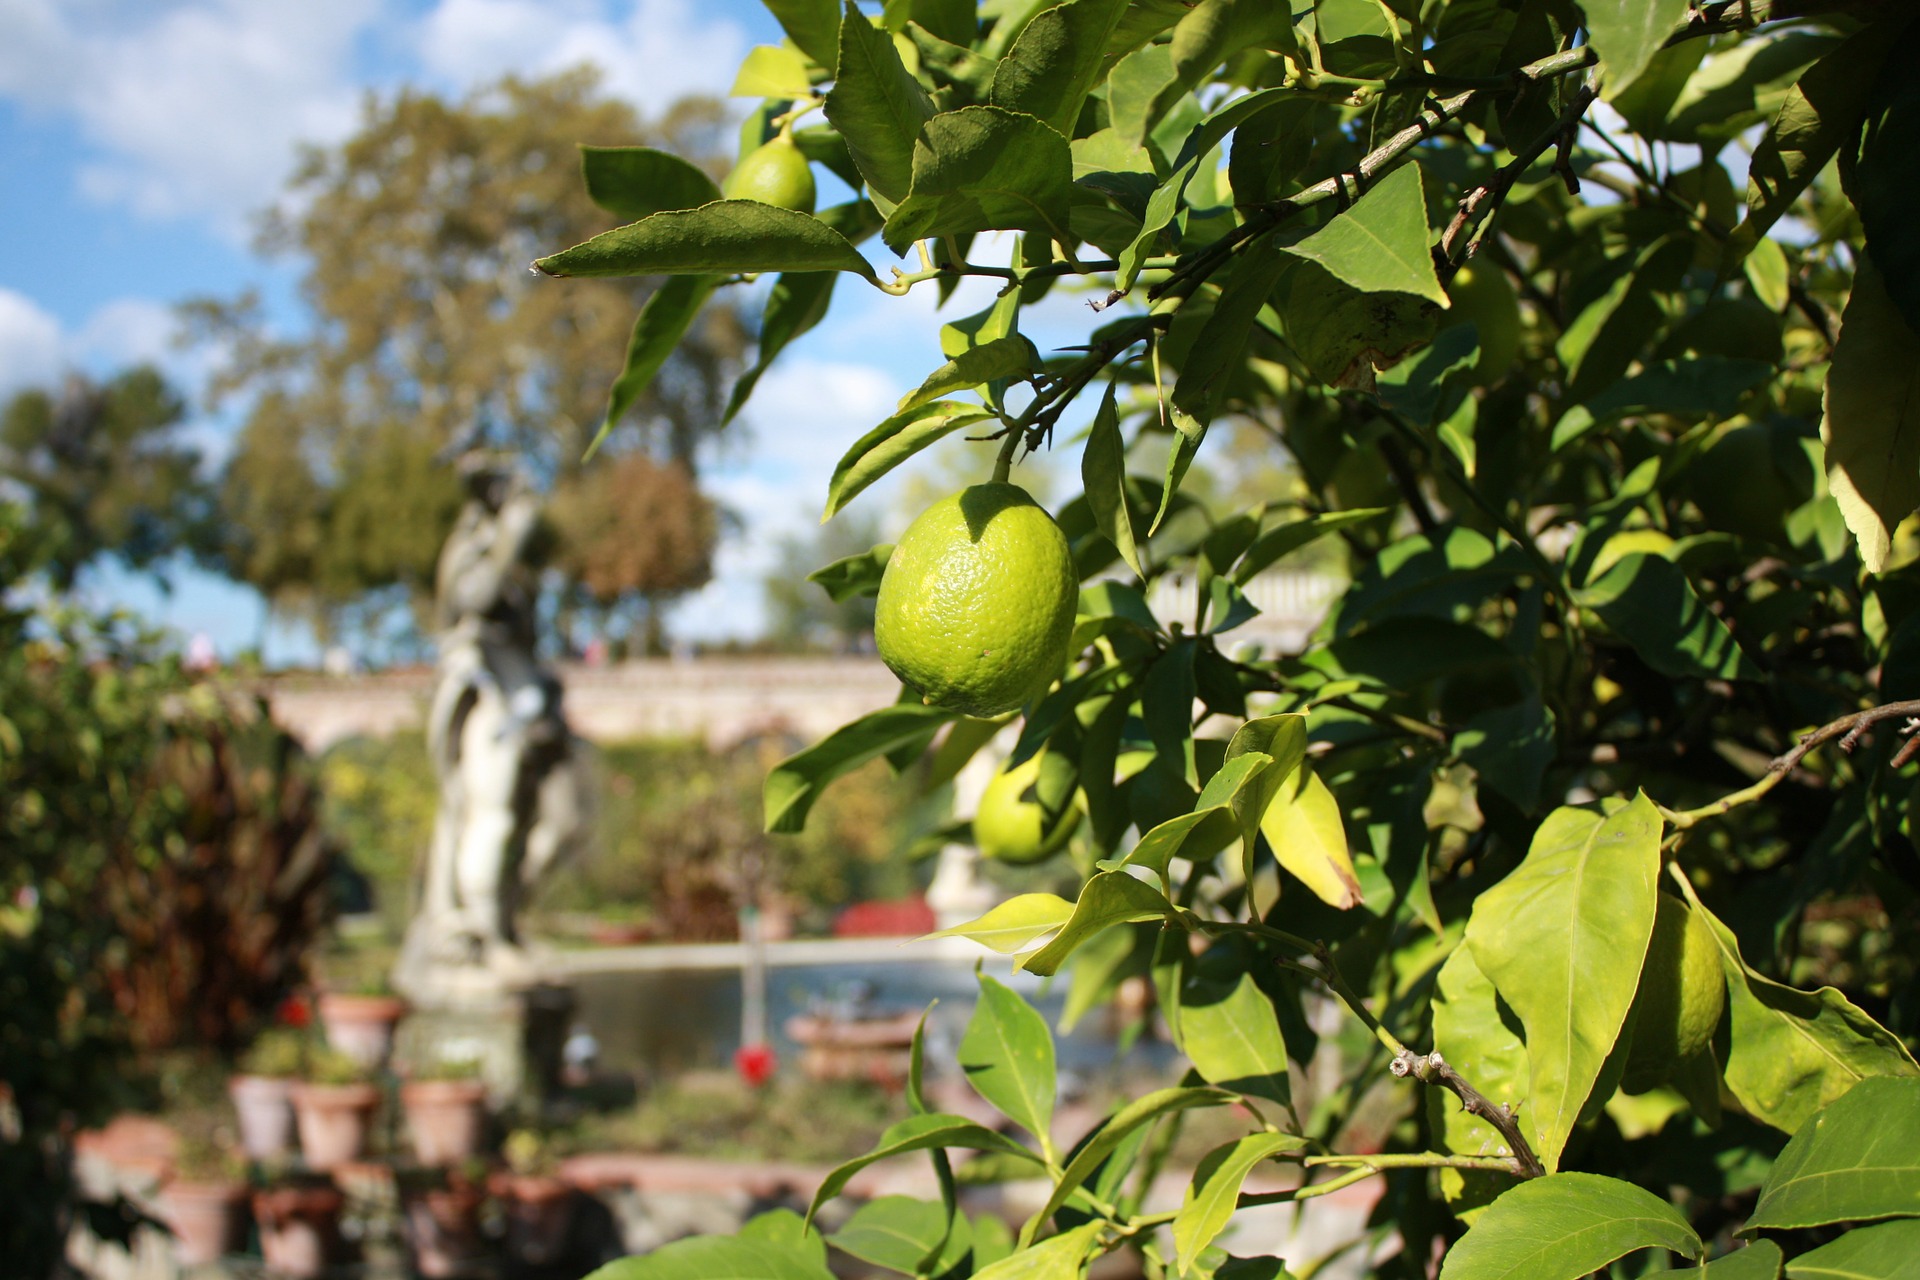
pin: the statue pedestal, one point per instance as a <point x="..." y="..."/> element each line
<point x="515" y="1035"/>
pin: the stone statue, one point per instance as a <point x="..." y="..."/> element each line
<point x="515" y="793"/>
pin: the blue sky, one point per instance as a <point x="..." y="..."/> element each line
<point x="138" y="138"/>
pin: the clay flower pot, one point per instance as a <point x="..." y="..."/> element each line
<point x="445" y="1118"/>
<point x="539" y="1211"/>
<point x="264" y="1105"/>
<point x="361" y="1026"/>
<point x="208" y="1220"/>
<point x="299" y="1228"/>
<point x="442" y="1226"/>
<point x="334" y="1120"/>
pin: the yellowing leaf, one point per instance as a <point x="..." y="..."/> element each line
<point x="1303" y="825"/>
<point x="1871" y="425"/>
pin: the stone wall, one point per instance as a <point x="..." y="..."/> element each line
<point x="720" y="700"/>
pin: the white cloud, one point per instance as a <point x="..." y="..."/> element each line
<point x="194" y="108"/>
<point x="128" y="331"/>
<point x="658" y="51"/>
<point x="30" y="344"/>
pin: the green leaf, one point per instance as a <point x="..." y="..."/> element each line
<point x="772" y="71"/>
<point x="1627" y="33"/>
<point x="814" y="25"/>
<point x="1061" y="1257"/>
<point x="1469" y="1031"/>
<point x="1856" y="1160"/>
<point x="1118" y="1128"/>
<point x="984" y="169"/>
<point x="857" y="575"/>
<point x="797" y="781"/>
<point x="740" y="1257"/>
<point x="920" y="1133"/>
<point x="1887" y="174"/>
<point x="1162" y="205"/>
<point x="1870" y="421"/>
<point x="1610" y="332"/>
<point x="1564" y="1226"/>
<point x="786" y="1229"/>
<point x="797" y="302"/>
<point x="1215" y="1190"/>
<point x="1233" y="1038"/>
<point x="1345" y="334"/>
<point x="1056" y="59"/>
<point x="1217" y="353"/>
<point x="877" y="105"/>
<point x="1510" y="748"/>
<point x="1648" y="601"/>
<point x="633" y="182"/>
<point x="663" y="320"/>
<point x="1009" y="357"/>
<point x="1562" y="938"/>
<point x="1212" y="32"/>
<point x="1134" y="87"/>
<point x="1103" y="475"/>
<point x="1793" y="1052"/>
<point x="905" y="1234"/>
<point x="1758" y="1261"/>
<point x="725" y="236"/>
<point x="1820" y="112"/>
<point x="1890" y="1251"/>
<point x="1007" y="1054"/>
<point x="1015" y="924"/>
<point x="1224" y="813"/>
<point x="1109" y="898"/>
<point x="1382" y="244"/>
<point x="1283" y="540"/>
<point x="892" y="443"/>
<point x="1708" y="385"/>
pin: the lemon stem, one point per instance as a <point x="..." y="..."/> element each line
<point x="1003" y="464"/>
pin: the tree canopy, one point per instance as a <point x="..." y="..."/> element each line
<point x="1593" y="334"/>
<point x="105" y="473"/>
<point x="428" y="336"/>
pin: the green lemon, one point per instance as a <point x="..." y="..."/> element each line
<point x="1008" y="827"/>
<point x="1485" y="296"/>
<point x="775" y="173"/>
<point x="976" y="604"/>
<point x="1682" y="993"/>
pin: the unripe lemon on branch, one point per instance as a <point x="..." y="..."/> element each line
<point x="977" y="601"/>
<point x="1009" y="827"/>
<point x="775" y="173"/>
<point x="1682" y="994"/>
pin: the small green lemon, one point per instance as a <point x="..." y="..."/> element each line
<point x="775" y="173"/>
<point x="1682" y="993"/>
<point x="1485" y="296"/>
<point x="1008" y="827"/>
<point x="977" y="601"/>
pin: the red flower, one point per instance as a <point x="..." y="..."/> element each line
<point x="755" y="1063"/>
<point x="294" y="1012"/>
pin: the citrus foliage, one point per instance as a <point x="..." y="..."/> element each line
<point x="1623" y="510"/>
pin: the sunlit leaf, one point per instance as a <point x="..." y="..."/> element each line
<point x="1564" y="1226"/>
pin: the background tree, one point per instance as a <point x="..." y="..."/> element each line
<point x="1591" y="799"/>
<point x="633" y="534"/>
<point x="428" y="335"/>
<point x="105" y="474"/>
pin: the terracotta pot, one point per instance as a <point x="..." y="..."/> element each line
<point x="334" y="1120"/>
<point x="208" y="1220"/>
<point x="361" y="1026"/>
<point x="299" y="1229"/>
<point x="539" y="1211"/>
<point x="264" y="1105"/>
<point x="443" y="1229"/>
<point x="445" y="1118"/>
